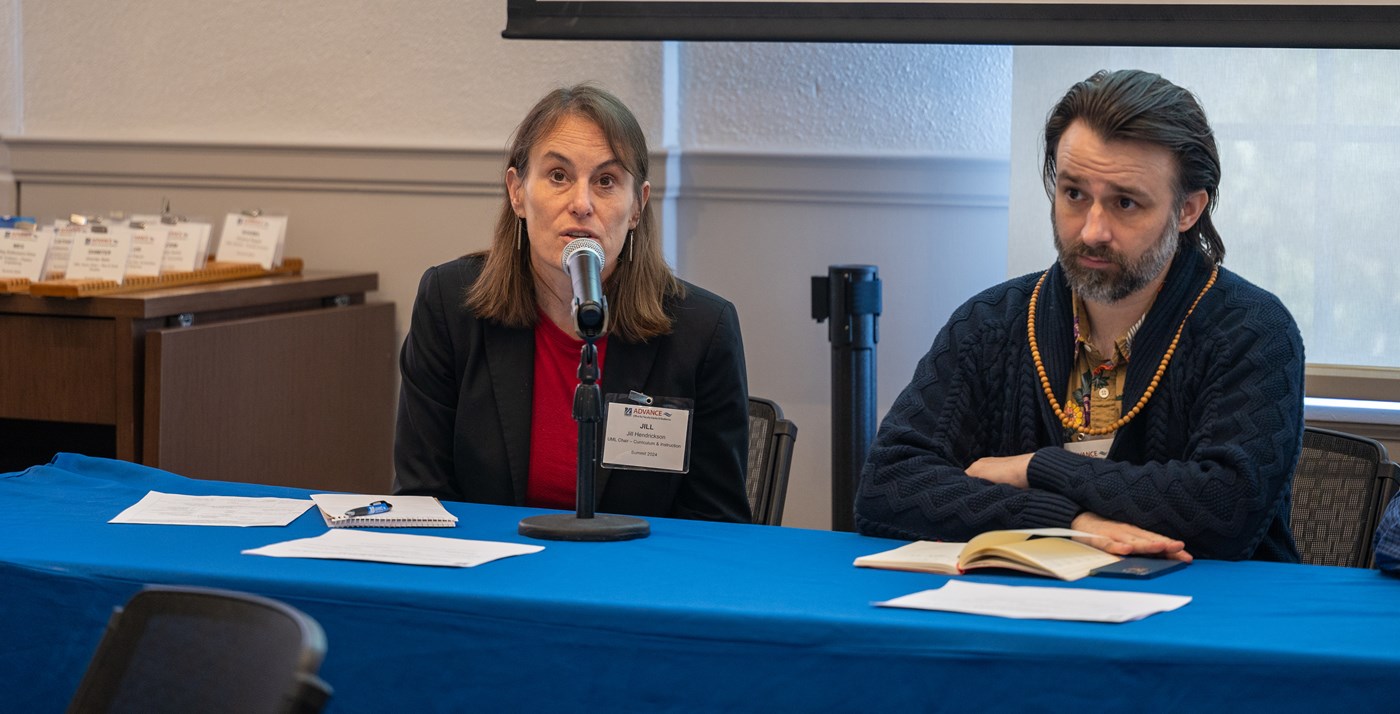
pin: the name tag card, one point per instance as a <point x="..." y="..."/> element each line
<point x="187" y="246"/>
<point x="23" y="251"/>
<point x="652" y="437"/>
<point x="147" y="250"/>
<point x="64" y="233"/>
<point x="100" y="254"/>
<point x="186" y="242"/>
<point x="252" y="239"/>
<point x="1096" y="449"/>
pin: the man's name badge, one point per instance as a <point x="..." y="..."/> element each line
<point x="648" y="437"/>
<point x="1096" y="449"/>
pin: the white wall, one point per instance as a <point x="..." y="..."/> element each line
<point x="426" y="73"/>
<point x="762" y="225"/>
<point x="10" y="52"/>
<point x="948" y="100"/>
<point x="783" y="159"/>
<point x="799" y="157"/>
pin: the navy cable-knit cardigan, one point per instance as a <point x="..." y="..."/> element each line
<point x="1209" y="460"/>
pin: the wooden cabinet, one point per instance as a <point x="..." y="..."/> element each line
<point x="284" y="379"/>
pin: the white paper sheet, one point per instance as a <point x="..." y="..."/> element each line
<point x="180" y="510"/>
<point x="1039" y="603"/>
<point x="395" y="548"/>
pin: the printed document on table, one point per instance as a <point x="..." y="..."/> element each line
<point x="1039" y="603"/>
<point x="395" y="548"/>
<point x="179" y="510"/>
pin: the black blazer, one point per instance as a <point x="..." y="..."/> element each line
<point x="463" y="429"/>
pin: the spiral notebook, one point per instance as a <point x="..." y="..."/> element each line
<point x="405" y="511"/>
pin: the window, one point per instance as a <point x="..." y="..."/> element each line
<point x="1310" y="193"/>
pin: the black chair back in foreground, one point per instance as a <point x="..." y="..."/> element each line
<point x="186" y="649"/>
<point x="771" y="438"/>
<point x="1341" y="486"/>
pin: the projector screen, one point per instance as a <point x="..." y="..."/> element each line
<point x="1354" y="24"/>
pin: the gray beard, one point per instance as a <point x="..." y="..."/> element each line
<point x="1109" y="286"/>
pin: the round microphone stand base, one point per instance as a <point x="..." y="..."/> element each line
<point x="568" y="526"/>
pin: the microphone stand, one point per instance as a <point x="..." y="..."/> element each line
<point x="585" y="525"/>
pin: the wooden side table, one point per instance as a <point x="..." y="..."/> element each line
<point x="285" y="379"/>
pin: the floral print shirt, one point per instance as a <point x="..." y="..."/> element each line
<point x="1096" y="381"/>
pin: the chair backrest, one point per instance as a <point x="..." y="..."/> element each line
<point x="771" y="438"/>
<point x="1340" y="487"/>
<point x="182" y="649"/>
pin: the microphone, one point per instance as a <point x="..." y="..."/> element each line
<point x="583" y="261"/>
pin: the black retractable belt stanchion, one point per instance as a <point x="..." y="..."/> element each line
<point x="849" y="297"/>
<point x="585" y="525"/>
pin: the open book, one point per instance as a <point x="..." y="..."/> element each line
<point x="404" y="511"/>
<point x="1040" y="551"/>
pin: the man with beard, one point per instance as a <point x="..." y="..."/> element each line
<point x="1136" y="391"/>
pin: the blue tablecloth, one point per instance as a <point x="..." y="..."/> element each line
<point x="698" y="617"/>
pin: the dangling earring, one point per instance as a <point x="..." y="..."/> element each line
<point x="631" y="238"/>
<point x="519" y="228"/>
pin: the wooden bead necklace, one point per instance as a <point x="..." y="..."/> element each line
<point x="1067" y="418"/>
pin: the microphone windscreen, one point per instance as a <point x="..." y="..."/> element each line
<point x="579" y="244"/>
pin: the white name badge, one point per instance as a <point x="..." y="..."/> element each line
<point x="654" y="437"/>
<point x="64" y="233"/>
<point x="147" y="250"/>
<point x="100" y="255"/>
<point x="187" y="247"/>
<point x="1097" y="449"/>
<point x="252" y="239"/>
<point x="22" y="253"/>
<point x="186" y="242"/>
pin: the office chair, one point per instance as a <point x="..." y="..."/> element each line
<point x="185" y="649"/>
<point x="1342" y="484"/>
<point x="771" y="439"/>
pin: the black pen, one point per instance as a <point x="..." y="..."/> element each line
<point x="371" y="509"/>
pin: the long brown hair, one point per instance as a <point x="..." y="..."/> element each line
<point x="638" y="287"/>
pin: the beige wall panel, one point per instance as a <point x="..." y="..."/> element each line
<point x="755" y="229"/>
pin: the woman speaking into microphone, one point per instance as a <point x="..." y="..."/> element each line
<point x="491" y="360"/>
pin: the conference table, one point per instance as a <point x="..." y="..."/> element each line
<point x="705" y="617"/>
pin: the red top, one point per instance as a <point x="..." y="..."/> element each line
<point x="553" y="479"/>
